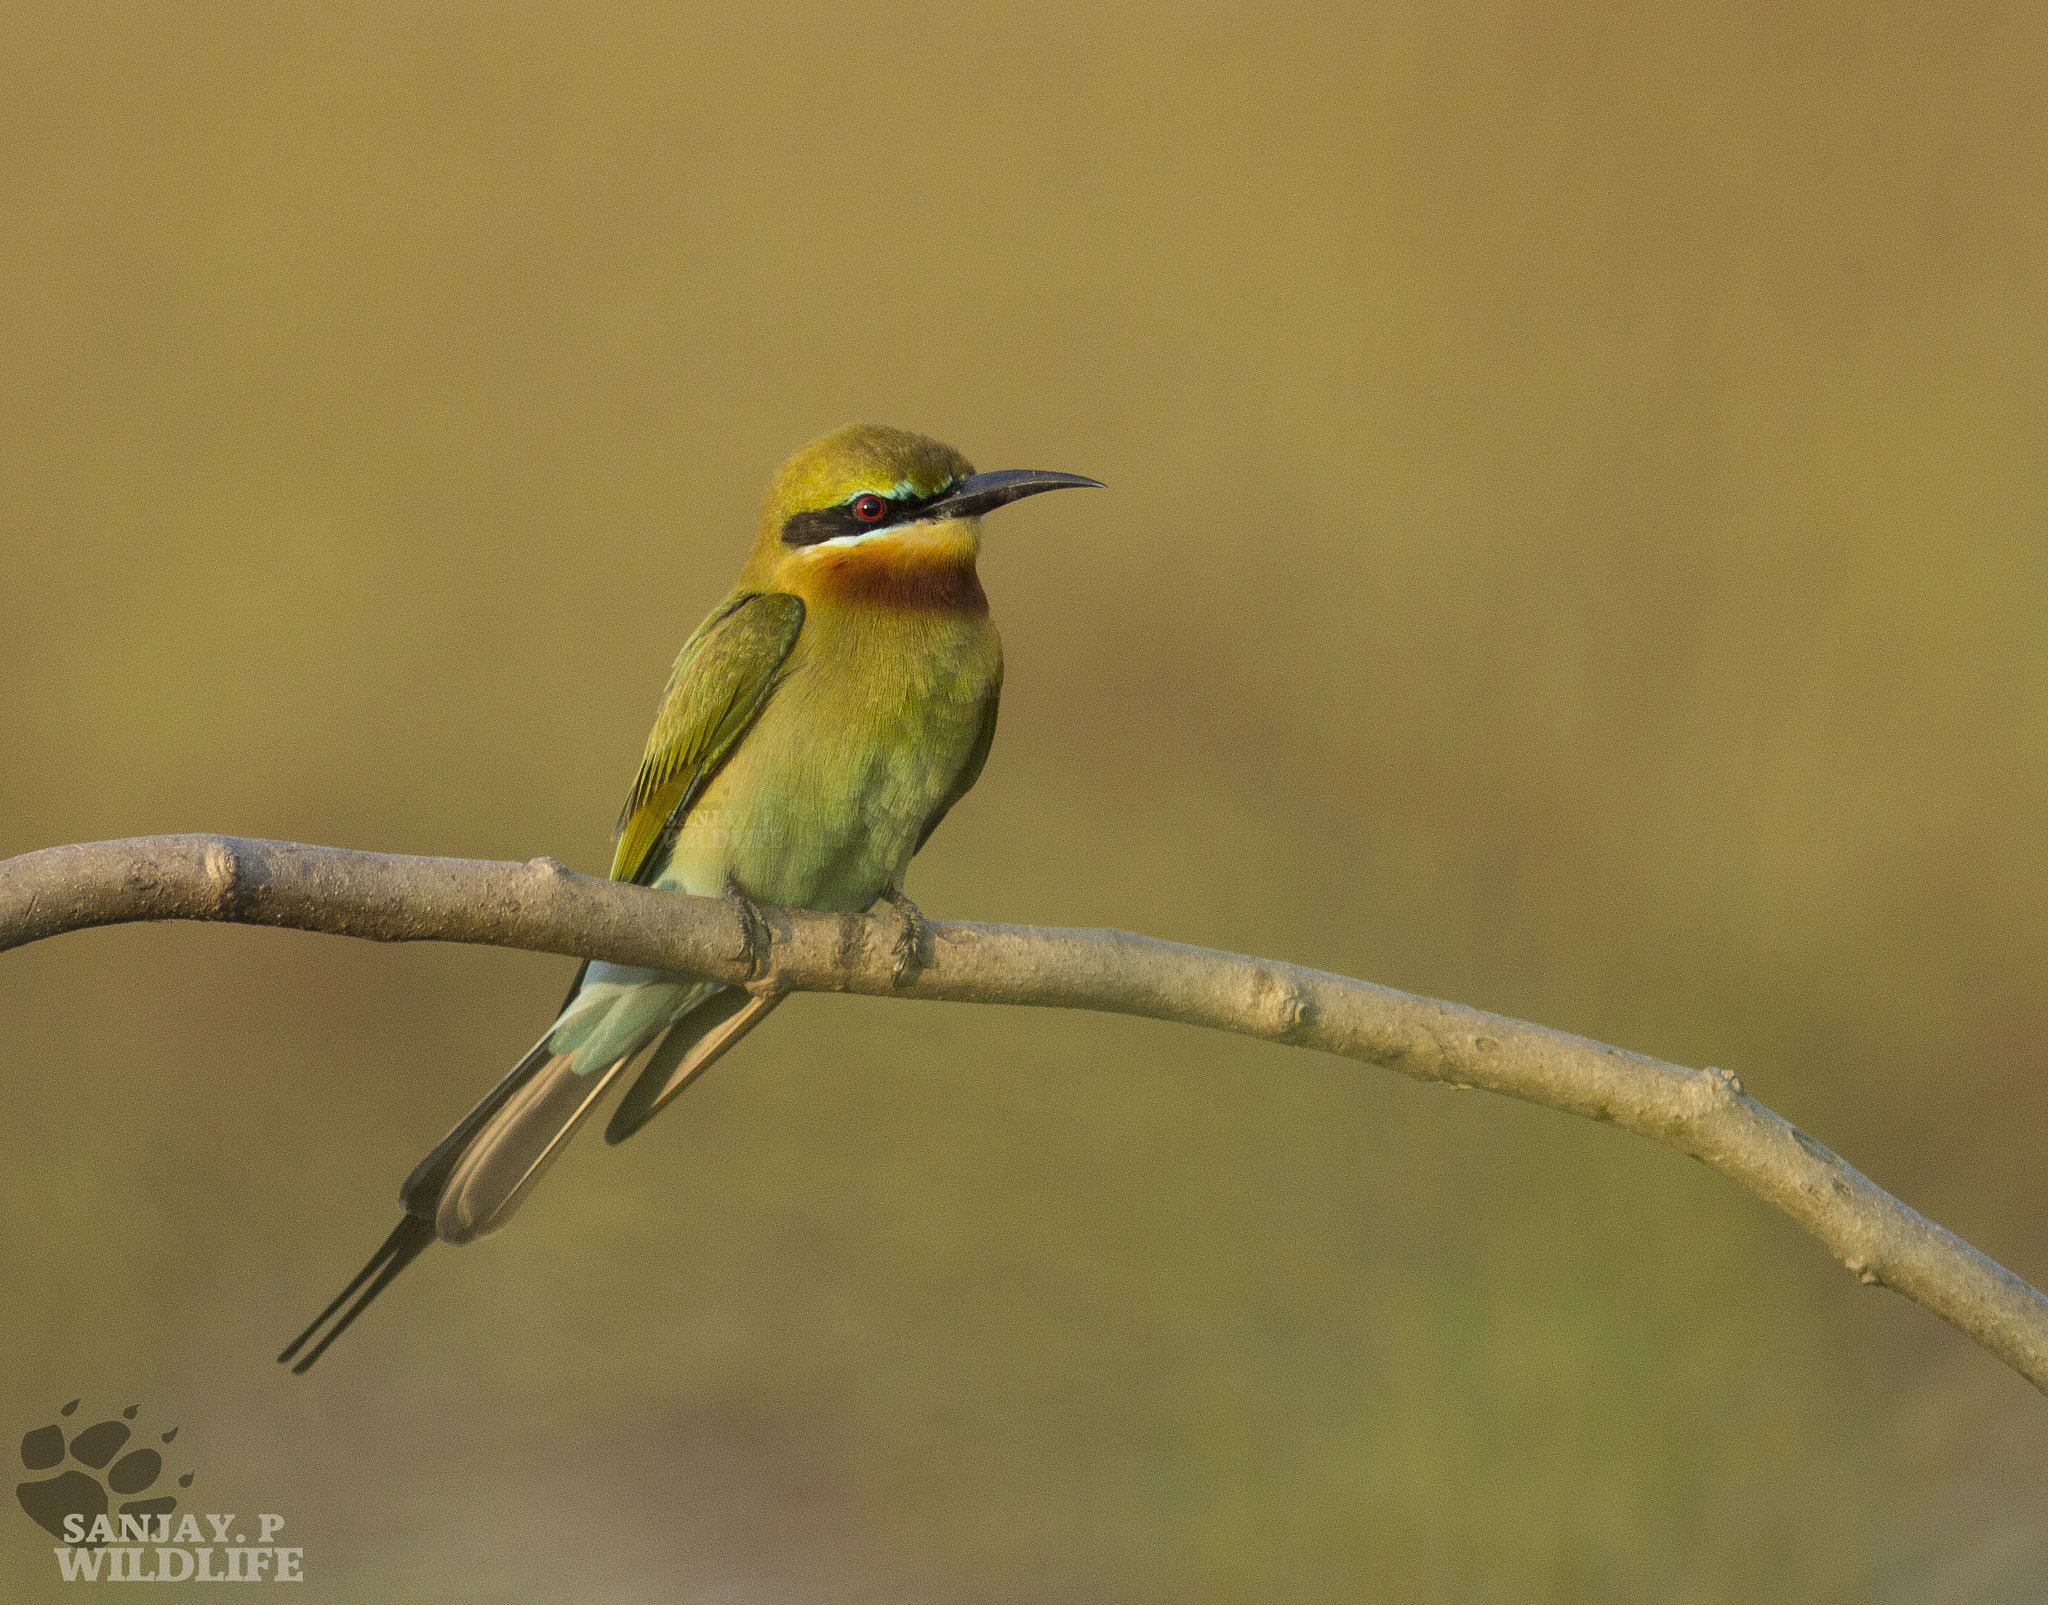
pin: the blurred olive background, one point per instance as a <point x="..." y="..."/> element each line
<point x="1575" y="546"/>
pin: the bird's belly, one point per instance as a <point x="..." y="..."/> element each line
<point x="823" y="803"/>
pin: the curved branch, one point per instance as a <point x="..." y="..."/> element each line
<point x="543" y="907"/>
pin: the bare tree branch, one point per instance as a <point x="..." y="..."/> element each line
<point x="542" y="907"/>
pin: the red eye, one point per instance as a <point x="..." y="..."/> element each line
<point x="869" y="508"/>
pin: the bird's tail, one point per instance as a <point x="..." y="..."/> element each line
<point x="690" y="1047"/>
<point x="473" y="1180"/>
<point x="481" y="1171"/>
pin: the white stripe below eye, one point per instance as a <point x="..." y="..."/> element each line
<point x="850" y="540"/>
<point x="860" y="535"/>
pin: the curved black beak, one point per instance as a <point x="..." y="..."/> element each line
<point x="980" y="493"/>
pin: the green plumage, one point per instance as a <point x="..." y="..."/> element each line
<point x="721" y="680"/>
<point x="817" y="727"/>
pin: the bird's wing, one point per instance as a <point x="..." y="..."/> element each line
<point x="478" y="1173"/>
<point x="970" y="771"/>
<point x="722" y="680"/>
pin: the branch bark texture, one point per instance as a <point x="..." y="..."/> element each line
<point x="542" y="907"/>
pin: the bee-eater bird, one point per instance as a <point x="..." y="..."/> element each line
<point x="817" y="727"/>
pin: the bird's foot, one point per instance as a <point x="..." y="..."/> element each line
<point x="909" y="946"/>
<point x="756" y="939"/>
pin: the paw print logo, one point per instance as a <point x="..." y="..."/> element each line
<point x="73" y="1492"/>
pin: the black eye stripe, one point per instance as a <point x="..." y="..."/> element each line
<point x="827" y="523"/>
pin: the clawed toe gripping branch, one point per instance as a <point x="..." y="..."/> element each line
<point x="542" y="907"/>
<point x="757" y="941"/>
<point x="908" y="948"/>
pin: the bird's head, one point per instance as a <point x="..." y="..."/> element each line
<point x="879" y="513"/>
